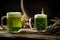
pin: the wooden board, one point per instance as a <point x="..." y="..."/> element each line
<point x="29" y="33"/>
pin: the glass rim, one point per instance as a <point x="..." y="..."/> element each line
<point x="40" y="15"/>
<point x="13" y="13"/>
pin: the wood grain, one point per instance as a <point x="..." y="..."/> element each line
<point x="29" y="33"/>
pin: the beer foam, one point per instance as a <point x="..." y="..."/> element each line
<point x="13" y="13"/>
<point x="40" y="15"/>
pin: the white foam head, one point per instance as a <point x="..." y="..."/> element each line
<point x="40" y="15"/>
<point x="13" y="13"/>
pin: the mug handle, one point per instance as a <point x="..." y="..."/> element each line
<point x="3" y="17"/>
<point x="30" y="22"/>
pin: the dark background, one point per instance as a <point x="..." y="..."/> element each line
<point x="32" y="7"/>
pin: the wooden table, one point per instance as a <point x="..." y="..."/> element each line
<point x="29" y="33"/>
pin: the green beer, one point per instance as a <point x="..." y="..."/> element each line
<point x="14" y="23"/>
<point x="40" y="22"/>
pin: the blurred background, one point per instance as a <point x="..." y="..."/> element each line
<point x="32" y="7"/>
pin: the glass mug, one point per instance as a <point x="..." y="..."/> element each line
<point x="14" y="23"/>
<point x="40" y="22"/>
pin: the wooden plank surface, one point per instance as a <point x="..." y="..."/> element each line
<point x="29" y="33"/>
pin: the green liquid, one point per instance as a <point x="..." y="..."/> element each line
<point x="14" y="24"/>
<point x="40" y="23"/>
